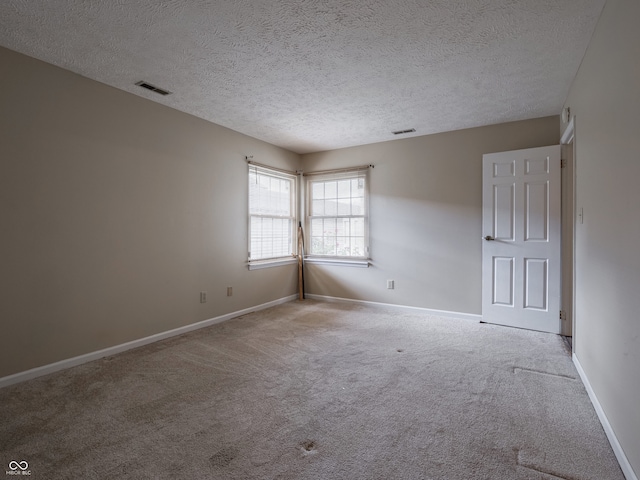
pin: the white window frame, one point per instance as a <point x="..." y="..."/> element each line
<point x="265" y="262"/>
<point x="338" y="260"/>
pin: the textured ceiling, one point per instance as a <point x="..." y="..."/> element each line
<point x="312" y="75"/>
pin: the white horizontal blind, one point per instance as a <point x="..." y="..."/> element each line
<point x="337" y="205"/>
<point x="272" y="198"/>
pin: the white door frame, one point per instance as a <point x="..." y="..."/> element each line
<point x="569" y="272"/>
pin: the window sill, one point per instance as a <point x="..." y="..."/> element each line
<point x="363" y="263"/>
<point x="259" y="264"/>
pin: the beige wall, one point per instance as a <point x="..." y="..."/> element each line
<point x="426" y="215"/>
<point x="605" y="99"/>
<point x="116" y="212"/>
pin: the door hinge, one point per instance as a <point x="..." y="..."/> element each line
<point x="563" y="163"/>
<point x="563" y="316"/>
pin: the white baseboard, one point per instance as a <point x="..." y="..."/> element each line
<point x="88" y="357"/>
<point x="627" y="470"/>
<point x="439" y="313"/>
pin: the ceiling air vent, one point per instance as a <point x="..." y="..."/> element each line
<point x="401" y="132"/>
<point x="153" y="88"/>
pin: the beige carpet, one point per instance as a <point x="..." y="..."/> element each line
<point x="311" y="390"/>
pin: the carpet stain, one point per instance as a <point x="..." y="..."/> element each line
<point x="400" y="350"/>
<point x="223" y="457"/>
<point x="308" y="447"/>
<point x="540" y="372"/>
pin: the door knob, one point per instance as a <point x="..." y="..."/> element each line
<point x="489" y="237"/>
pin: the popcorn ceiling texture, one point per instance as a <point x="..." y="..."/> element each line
<point x="311" y="75"/>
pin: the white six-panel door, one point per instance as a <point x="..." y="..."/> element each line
<point x="521" y="239"/>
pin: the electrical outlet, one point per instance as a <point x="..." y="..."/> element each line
<point x="391" y="284"/>
<point x="203" y="297"/>
<point x="229" y="291"/>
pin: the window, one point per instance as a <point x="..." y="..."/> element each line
<point x="272" y="215"/>
<point x="337" y="206"/>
